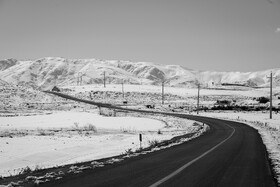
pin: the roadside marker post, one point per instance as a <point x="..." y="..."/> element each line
<point x="140" y="139"/>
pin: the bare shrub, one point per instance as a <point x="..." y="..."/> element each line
<point x="127" y="129"/>
<point x="77" y="128"/>
<point x="42" y="132"/>
<point x="90" y="127"/>
<point x="128" y="151"/>
<point x="5" y="133"/>
<point x="76" y="125"/>
<point x="153" y="143"/>
<point x="37" y="168"/>
<point x="26" y="170"/>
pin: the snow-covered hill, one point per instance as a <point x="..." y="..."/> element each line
<point x="5" y="64"/>
<point x="46" y="72"/>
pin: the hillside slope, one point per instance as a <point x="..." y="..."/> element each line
<point x="46" y="72"/>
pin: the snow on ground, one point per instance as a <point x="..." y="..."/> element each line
<point x="248" y="116"/>
<point x="61" y="138"/>
<point x="67" y="119"/>
<point x="185" y="92"/>
<point x="147" y="94"/>
<point x="269" y="130"/>
<point x="67" y="137"/>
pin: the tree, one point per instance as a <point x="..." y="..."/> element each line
<point x="263" y="100"/>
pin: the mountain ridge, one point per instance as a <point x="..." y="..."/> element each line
<point x="48" y="71"/>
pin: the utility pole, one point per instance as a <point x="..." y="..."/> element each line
<point x="79" y="79"/>
<point x="162" y="91"/>
<point x="104" y="80"/>
<point x="55" y="81"/>
<point x="122" y="89"/>
<point x="198" y="88"/>
<point x="270" y="107"/>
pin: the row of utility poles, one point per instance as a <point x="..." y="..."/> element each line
<point x="80" y="78"/>
<point x="270" y="106"/>
<point x="198" y="90"/>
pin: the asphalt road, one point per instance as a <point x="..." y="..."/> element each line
<point x="229" y="154"/>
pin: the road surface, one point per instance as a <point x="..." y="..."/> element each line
<point x="229" y="154"/>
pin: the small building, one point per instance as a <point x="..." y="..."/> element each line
<point x="224" y="103"/>
<point x="55" y="89"/>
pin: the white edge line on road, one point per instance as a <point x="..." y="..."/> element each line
<point x="191" y="162"/>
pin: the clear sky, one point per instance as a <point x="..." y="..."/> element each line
<point x="222" y="35"/>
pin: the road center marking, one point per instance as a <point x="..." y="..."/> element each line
<point x="191" y="162"/>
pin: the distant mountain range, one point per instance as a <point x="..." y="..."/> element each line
<point x="50" y="71"/>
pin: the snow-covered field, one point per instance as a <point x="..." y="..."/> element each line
<point x="269" y="130"/>
<point x="181" y="91"/>
<point x="58" y="120"/>
<point x="78" y="133"/>
<point x="173" y="95"/>
<point x="60" y="138"/>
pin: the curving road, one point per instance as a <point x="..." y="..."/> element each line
<point x="229" y="154"/>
